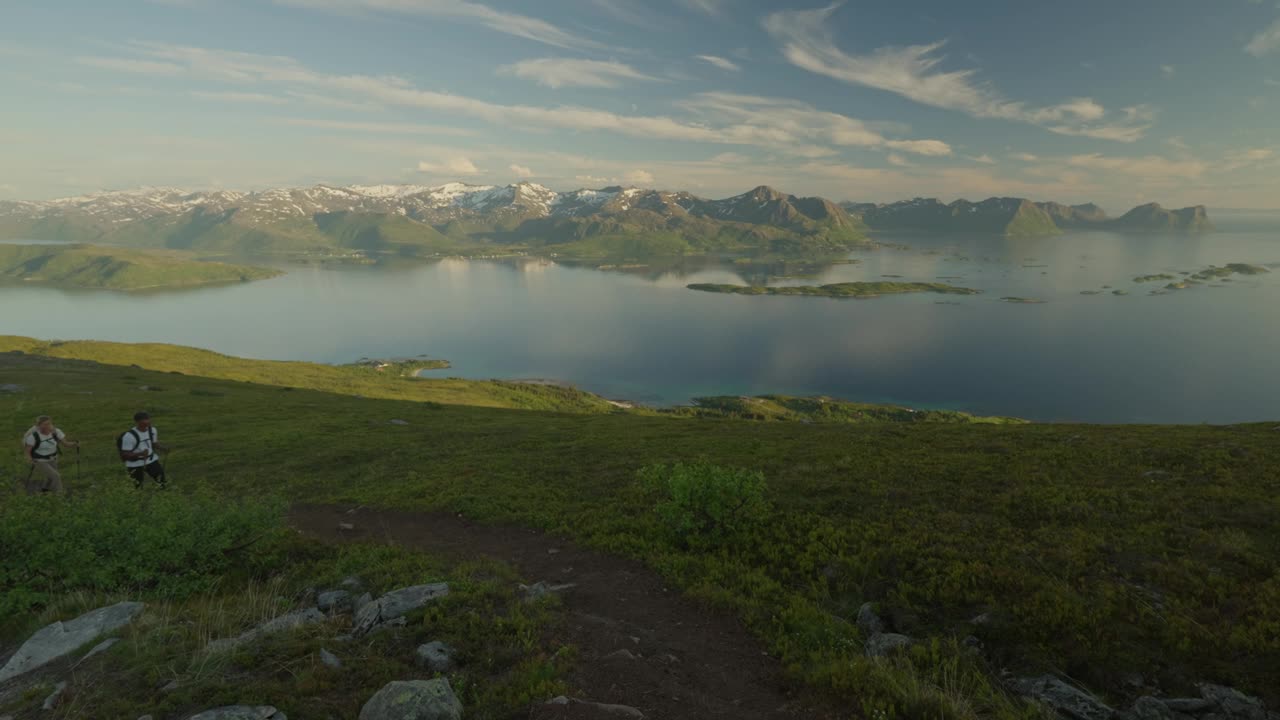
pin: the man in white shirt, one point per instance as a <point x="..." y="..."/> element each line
<point x="42" y="444"/>
<point x="138" y="448"/>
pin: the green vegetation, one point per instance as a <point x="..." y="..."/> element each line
<point x="705" y="506"/>
<point x="1022" y="301"/>
<point x="212" y="569"/>
<point x="1093" y="552"/>
<point x="349" y="379"/>
<point x="821" y="409"/>
<point x="401" y="367"/>
<point x="89" y="266"/>
<point x="1155" y="278"/>
<point x="837" y="290"/>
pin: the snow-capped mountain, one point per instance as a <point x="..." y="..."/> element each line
<point x="381" y="216"/>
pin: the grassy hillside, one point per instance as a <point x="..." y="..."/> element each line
<point x="346" y="379"/>
<point x="89" y="266"/>
<point x="823" y="409"/>
<point x="1092" y="552"/>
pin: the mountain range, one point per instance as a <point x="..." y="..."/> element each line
<point x="613" y="222"/>
<point x="1022" y="217"/>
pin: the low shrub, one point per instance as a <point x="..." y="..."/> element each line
<point x="707" y="506"/>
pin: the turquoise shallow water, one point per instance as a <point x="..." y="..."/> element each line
<point x="1206" y="354"/>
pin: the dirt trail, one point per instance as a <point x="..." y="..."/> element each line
<point x="690" y="662"/>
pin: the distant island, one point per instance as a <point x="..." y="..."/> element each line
<point x="613" y="225"/>
<point x="104" y="268"/>
<point x="1022" y="217"/>
<point x="837" y="290"/>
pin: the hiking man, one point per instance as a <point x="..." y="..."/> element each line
<point x="138" y="448"/>
<point x="43" y="444"/>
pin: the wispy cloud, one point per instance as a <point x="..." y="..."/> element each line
<point x="380" y="128"/>
<point x="1265" y="42"/>
<point x="140" y="67"/>
<point x="1024" y="157"/>
<point x="710" y="7"/>
<point x="1150" y="166"/>
<point x="239" y="97"/>
<point x="721" y="118"/>
<point x="640" y="177"/>
<point x="1246" y="158"/>
<point x="523" y="26"/>
<point x="451" y="167"/>
<point x="566" y="72"/>
<point x="898" y="161"/>
<point x="789" y="122"/>
<point x="722" y="63"/>
<point x="984" y="158"/>
<point x="520" y="171"/>
<point x="913" y="72"/>
<point x="1168" y="70"/>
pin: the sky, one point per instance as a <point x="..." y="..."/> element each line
<point x="1119" y="103"/>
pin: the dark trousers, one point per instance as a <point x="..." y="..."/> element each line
<point x="155" y="470"/>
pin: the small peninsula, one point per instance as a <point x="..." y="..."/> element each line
<point x="837" y="290"/>
<point x="107" y="268"/>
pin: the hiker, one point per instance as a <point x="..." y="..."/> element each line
<point x="138" y="448"/>
<point x="43" y="444"/>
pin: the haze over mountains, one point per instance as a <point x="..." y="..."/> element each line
<point x="413" y="219"/>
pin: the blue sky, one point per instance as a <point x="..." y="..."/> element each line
<point x="1115" y="102"/>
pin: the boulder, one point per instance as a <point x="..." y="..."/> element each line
<point x="332" y="601"/>
<point x="1233" y="703"/>
<point x="1061" y="697"/>
<point x="435" y="656"/>
<point x="396" y="604"/>
<point x="241" y="712"/>
<point x="329" y="659"/>
<point x="413" y="700"/>
<point x="1190" y="706"/>
<point x="882" y="644"/>
<point x="61" y="638"/>
<point x="566" y="707"/>
<point x="364" y="599"/>
<point x="1149" y="708"/>
<point x="869" y="622"/>
<point x="310" y="616"/>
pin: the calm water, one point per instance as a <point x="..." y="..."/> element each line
<point x="1206" y="354"/>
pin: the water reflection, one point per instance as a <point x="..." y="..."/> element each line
<point x="1202" y="354"/>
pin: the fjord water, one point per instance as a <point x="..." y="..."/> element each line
<point x="1205" y="354"/>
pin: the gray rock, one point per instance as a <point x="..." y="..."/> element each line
<point x="539" y="590"/>
<point x="1061" y="697"/>
<point x="623" y="654"/>
<point x="360" y="602"/>
<point x="297" y="619"/>
<point x="396" y="604"/>
<point x="1149" y="708"/>
<point x="331" y="601"/>
<point x="414" y="700"/>
<point x="398" y="422"/>
<point x="868" y="621"/>
<point x="11" y="388"/>
<point x="146" y="717"/>
<point x="1233" y="703"/>
<point x="352" y="583"/>
<point x="1193" y="706"/>
<point x="101" y="647"/>
<point x="882" y="644"/>
<point x="329" y="659"/>
<point x="435" y="656"/>
<point x="61" y="638"/>
<point x="593" y="709"/>
<point x="241" y="712"/>
<point x="51" y="702"/>
<point x="171" y="686"/>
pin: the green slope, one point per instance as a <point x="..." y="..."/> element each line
<point x="89" y="266"/>
<point x="836" y="290"/>
<point x="1094" y="552"/>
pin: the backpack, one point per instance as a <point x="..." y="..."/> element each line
<point x="137" y="441"/>
<point x="37" y="441"/>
